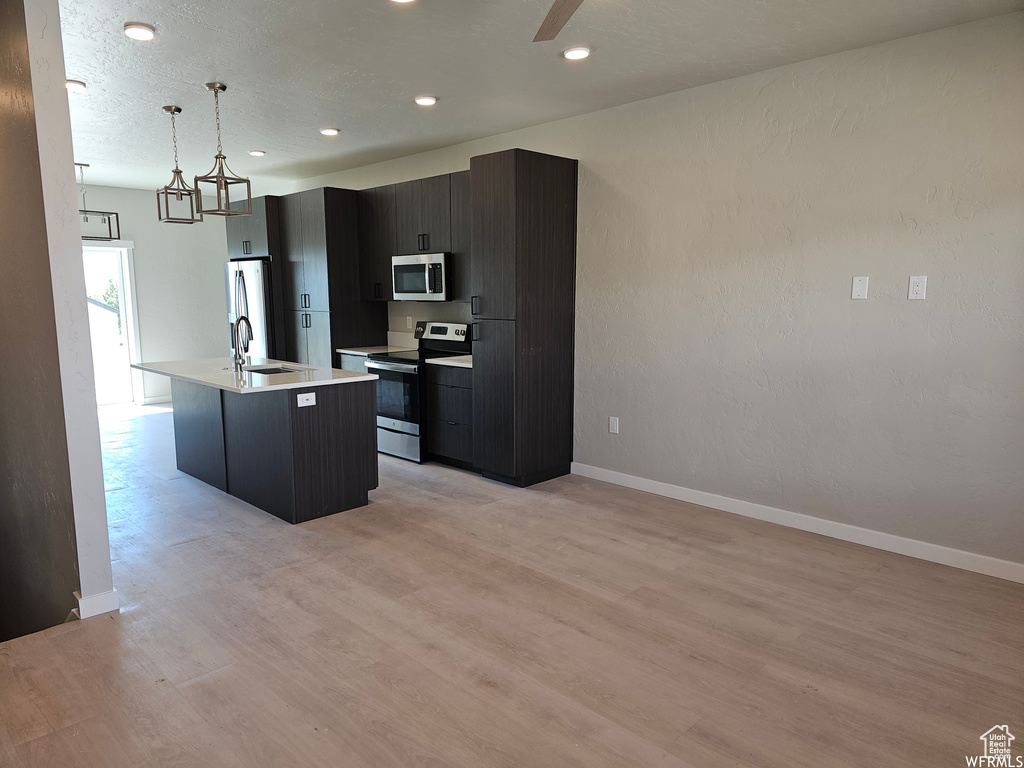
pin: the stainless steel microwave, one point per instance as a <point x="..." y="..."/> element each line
<point x="422" y="277"/>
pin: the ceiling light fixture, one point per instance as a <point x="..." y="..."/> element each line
<point x="329" y="131"/>
<point x="401" y="1"/>
<point x="220" y="176"/>
<point x="257" y="152"/>
<point x="575" y="54"/>
<point x="426" y="101"/>
<point x="106" y="218"/>
<point x="177" y="189"/>
<point x="136" y="30"/>
<point x="75" y="86"/>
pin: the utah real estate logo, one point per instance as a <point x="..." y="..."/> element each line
<point x="997" y="741"/>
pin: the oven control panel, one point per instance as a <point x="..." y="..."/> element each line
<point x="442" y="331"/>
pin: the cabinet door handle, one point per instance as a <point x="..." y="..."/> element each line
<point x="474" y="305"/>
<point x="476" y="331"/>
<point x="377" y="291"/>
<point x="246" y="247"/>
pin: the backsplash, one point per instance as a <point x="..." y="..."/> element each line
<point x="431" y="311"/>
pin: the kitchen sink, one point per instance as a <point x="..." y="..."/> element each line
<point x="271" y="369"/>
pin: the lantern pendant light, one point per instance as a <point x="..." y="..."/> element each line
<point x="178" y="191"/>
<point x="217" y="186"/>
<point x="108" y="219"/>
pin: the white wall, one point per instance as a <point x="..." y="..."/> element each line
<point x="53" y="127"/>
<point x="179" y="280"/>
<point x="719" y="229"/>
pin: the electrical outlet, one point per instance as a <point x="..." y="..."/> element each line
<point x="918" y="287"/>
<point x="860" y="288"/>
<point x="613" y="424"/>
<point x="307" y="399"/>
<point x="408" y="322"/>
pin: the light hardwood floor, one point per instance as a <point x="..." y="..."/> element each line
<point x="458" y="622"/>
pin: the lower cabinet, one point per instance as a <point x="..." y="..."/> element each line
<point x="449" y="414"/>
<point x="308" y="338"/>
<point x="494" y="403"/>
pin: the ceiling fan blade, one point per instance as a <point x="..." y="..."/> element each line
<point x="559" y="14"/>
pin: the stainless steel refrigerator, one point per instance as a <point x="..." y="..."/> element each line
<point x="249" y="293"/>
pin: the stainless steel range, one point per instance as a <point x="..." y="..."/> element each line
<point x="400" y="388"/>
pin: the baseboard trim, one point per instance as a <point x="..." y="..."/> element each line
<point x="94" y="605"/>
<point x="159" y="400"/>
<point x="922" y="550"/>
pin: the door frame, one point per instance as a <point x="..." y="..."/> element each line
<point x="129" y="302"/>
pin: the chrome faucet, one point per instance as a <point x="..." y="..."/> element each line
<point x="241" y="344"/>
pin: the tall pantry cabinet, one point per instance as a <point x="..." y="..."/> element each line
<point x="320" y="264"/>
<point x="523" y="306"/>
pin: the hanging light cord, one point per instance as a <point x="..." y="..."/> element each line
<point x="216" y="102"/>
<point x="81" y="177"/>
<point x="174" y="140"/>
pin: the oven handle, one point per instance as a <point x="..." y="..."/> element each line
<point x="396" y="367"/>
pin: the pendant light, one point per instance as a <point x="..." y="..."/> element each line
<point x="108" y="219"/>
<point x="220" y="182"/>
<point x="177" y="190"/>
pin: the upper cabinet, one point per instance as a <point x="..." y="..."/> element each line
<point x="423" y="215"/>
<point x="377" y="242"/>
<point x="254" y="236"/>
<point x="460" y="264"/>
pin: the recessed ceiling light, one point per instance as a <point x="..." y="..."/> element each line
<point x="575" y="54"/>
<point x="426" y="101"/>
<point x="75" y="86"/>
<point x="401" y="1"/>
<point x="136" y="30"/>
<point x="329" y="131"/>
<point x="257" y="152"/>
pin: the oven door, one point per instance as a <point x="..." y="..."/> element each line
<point x="419" y="277"/>
<point x="398" y="395"/>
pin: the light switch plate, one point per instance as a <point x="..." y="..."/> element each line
<point x="860" y="288"/>
<point x="918" y="287"/>
<point x="613" y="424"/>
<point x="307" y="399"/>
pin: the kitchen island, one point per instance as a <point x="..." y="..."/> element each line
<point x="296" y="441"/>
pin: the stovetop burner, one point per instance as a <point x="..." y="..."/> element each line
<point x="436" y="339"/>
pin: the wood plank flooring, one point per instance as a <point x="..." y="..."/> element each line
<point x="458" y="622"/>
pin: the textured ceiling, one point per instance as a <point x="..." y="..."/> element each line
<point x="295" y="66"/>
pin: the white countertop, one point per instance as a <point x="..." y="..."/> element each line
<point x="459" y="361"/>
<point x="364" y="351"/>
<point x="217" y="372"/>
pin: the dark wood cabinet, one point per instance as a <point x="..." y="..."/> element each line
<point x="493" y="293"/>
<point x="460" y="263"/>
<point x="320" y="242"/>
<point x="494" y="396"/>
<point x="448" y="411"/>
<point x="524" y="276"/>
<point x="319" y="350"/>
<point x="423" y="215"/>
<point x="253" y="236"/>
<point x="293" y="280"/>
<point x="314" y="227"/>
<point x="377" y="242"/>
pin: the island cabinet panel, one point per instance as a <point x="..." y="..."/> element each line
<point x="258" y="450"/>
<point x="301" y="463"/>
<point x="199" y="432"/>
<point x="335" y="449"/>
